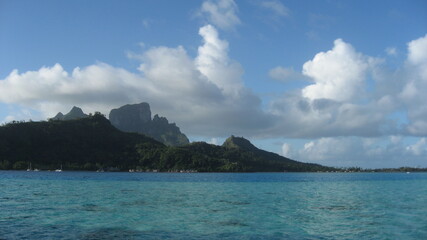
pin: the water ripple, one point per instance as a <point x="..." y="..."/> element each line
<point x="110" y="206"/>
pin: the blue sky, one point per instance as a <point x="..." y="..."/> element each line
<point x="339" y="83"/>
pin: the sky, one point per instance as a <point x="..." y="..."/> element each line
<point x="339" y="83"/>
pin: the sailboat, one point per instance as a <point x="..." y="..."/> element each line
<point x="29" y="168"/>
<point x="59" y="170"/>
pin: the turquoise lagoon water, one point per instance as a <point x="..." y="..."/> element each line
<point x="87" y="205"/>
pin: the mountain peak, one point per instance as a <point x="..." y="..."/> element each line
<point x="75" y="113"/>
<point x="76" y="110"/>
<point x="137" y="118"/>
<point x="239" y="143"/>
<point x="58" y="116"/>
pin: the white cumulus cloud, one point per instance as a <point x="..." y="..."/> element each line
<point x="414" y="91"/>
<point x="417" y="51"/>
<point x="51" y="89"/>
<point x="339" y="74"/>
<point x="213" y="62"/>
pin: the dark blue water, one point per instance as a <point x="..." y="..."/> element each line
<point x="87" y="205"/>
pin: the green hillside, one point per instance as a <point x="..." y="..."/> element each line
<point x="92" y="143"/>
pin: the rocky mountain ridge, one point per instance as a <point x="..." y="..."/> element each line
<point x="136" y="118"/>
<point x="75" y="113"/>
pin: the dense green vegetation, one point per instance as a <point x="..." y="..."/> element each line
<point x="92" y="143"/>
<point x="84" y="144"/>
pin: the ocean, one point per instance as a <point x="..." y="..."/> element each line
<point x="90" y="205"/>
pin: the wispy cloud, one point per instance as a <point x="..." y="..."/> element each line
<point x="391" y="51"/>
<point x="285" y="74"/>
<point x="221" y="13"/>
<point x="276" y="7"/>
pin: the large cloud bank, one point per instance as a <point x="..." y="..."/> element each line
<point x="352" y="94"/>
<point x="205" y="95"/>
<point x="348" y="93"/>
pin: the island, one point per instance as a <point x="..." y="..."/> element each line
<point x="132" y="141"/>
<point x="92" y="143"/>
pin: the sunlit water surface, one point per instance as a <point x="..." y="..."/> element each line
<point x="87" y="205"/>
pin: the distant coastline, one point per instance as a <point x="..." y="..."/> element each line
<point x="338" y="170"/>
